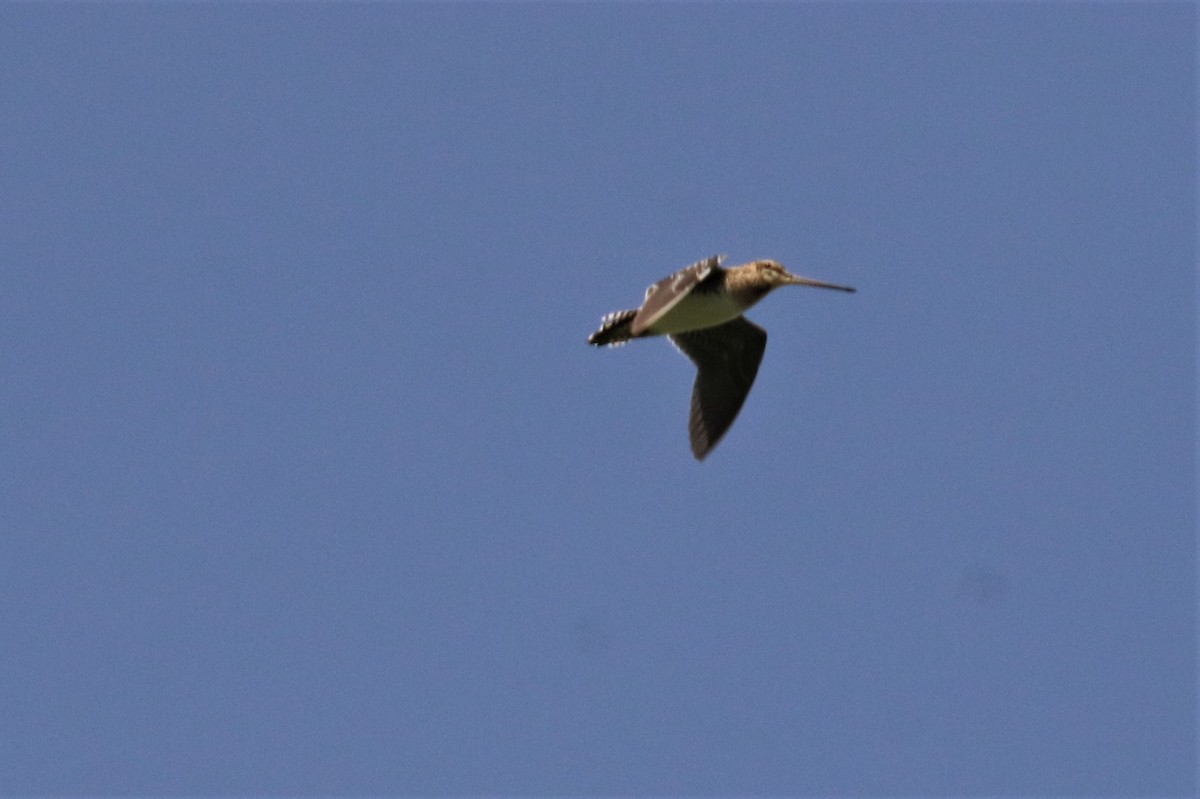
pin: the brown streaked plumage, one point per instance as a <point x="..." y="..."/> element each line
<point x="700" y="309"/>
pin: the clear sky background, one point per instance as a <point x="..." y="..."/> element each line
<point x="312" y="485"/>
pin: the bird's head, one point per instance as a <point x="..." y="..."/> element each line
<point x="774" y="275"/>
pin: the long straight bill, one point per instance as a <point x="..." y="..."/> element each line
<point x="808" y="281"/>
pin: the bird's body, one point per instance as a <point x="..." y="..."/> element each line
<point x="700" y="308"/>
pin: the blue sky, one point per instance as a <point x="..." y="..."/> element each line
<point x="311" y="484"/>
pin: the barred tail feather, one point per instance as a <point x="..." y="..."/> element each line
<point x="615" y="328"/>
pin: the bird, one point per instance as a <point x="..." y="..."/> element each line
<point x="699" y="308"/>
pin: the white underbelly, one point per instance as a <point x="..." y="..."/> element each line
<point x="697" y="311"/>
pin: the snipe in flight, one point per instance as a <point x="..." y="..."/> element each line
<point x="700" y="309"/>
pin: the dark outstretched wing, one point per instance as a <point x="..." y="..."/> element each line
<point x="666" y="293"/>
<point x="727" y="358"/>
